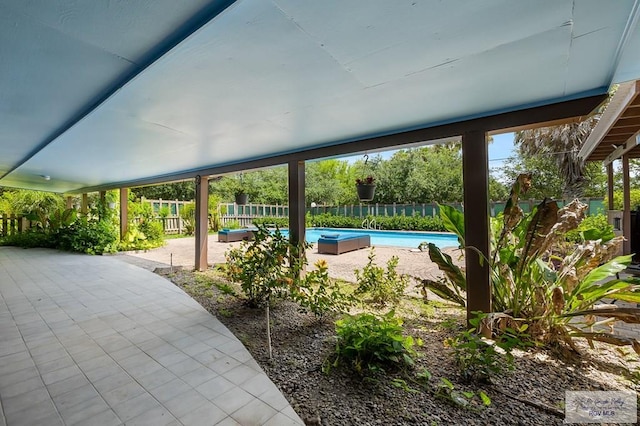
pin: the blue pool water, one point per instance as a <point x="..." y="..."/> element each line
<point x="407" y="239"/>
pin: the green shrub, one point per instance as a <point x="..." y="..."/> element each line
<point x="370" y="342"/>
<point x="164" y="212"/>
<point x="404" y="223"/>
<point x="188" y="215"/>
<point x="264" y="270"/>
<point x="29" y="239"/>
<point x="262" y="267"/>
<point x="634" y="195"/>
<point x="382" y="286"/>
<point x="153" y="230"/>
<point x="143" y="236"/>
<point x="272" y="221"/>
<point x="479" y="358"/>
<point x="326" y="220"/>
<point x="587" y="227"/>
<point x="321" y="295"/>
<point x="89" y="236"/>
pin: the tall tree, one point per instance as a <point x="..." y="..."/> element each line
<point x="560" y="144"/>
<point x="421" y="175"/>
<point x="169" y="191"/>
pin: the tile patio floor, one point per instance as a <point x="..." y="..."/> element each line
<point x="91" y="340"/>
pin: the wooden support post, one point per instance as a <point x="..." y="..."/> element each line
<point x="626" y="205"/>
<point x="296" y="204"/>
<point x="5" y="221"/>
<point x="475" y="170"/>
<point x="103" y="203"/>
<point x="84" y="208"/>
<point x="202" y="222"/>
<point x="69" y="202"/>
<point x="124" y="212"/>
<point x="610" y="187"/>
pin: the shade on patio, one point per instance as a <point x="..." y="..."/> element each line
<point x="100" y="95"/>
<point x="104" y="94"/>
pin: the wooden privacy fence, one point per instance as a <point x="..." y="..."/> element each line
<point x="12" y="224"/>
<point x="595" y="206"/>
<point x="243" y="215"/>
<point x="172" y="223"/>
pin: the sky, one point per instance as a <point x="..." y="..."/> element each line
<point x="500" y="149"/>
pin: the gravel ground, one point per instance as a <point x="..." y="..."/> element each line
<point x="533" y="394"/>
<point x="181" y="252"/>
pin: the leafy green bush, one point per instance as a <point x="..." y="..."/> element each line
<point x="262" y="267"/>
<point x="405" y="223"/>
<point x="37" y="206"/>
<point x="272" y="221"/>
<point x="479" y="358"/>
<point x="634" y="195"/>
<point x="321" y="295"/>
<point x="592" y="227"/>
<point x="188" y="215"/>
<point x="383" y="286"/>
<point x="370" y="342"/>
<point x="143" y="236"/>
<point x="326" y="220"/>
<point x="264" y="270"/>
<point x="164" y="212"/>
<point x="29" y="239"/>
<point x="89" y="236"/>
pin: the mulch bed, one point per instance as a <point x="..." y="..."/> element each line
<point x="533" y="394"/>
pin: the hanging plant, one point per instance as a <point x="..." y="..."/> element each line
<point x="240" y="195"/>
<point x="241" y="198"/>
<point x="366" y="188"/>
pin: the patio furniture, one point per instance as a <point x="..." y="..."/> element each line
<point x="342" y="243"/>
<point x="231" y="235"/>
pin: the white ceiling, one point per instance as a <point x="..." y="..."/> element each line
<point x="264" y="78"/>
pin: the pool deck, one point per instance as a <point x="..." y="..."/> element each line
<point x="181" y="252"/>
<point x="92" y="340"/>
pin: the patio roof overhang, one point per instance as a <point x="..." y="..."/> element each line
<point x="98" y="95"/>
<point x="618" y="130"/>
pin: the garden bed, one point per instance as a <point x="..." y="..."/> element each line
<point x="533" y="394"/>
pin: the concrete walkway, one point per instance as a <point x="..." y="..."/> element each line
<point x="91" y="340"/>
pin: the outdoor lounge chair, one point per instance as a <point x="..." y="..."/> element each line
<point x="341" y="243"/>
<point x="231" y="235"/>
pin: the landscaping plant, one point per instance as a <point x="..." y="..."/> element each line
<point x="264" y="269"/>
<point x="382" y="286"/>
<point x="322" y="295"/>
<point x="533" y="286"/>
<point x="269" y="268"/>
<point x="369" y="343"/>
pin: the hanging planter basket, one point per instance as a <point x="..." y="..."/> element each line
<point x="242" y="199"/>
<point x="366" y="192"/>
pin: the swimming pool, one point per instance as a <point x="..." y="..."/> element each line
<point x="409" y="239"/>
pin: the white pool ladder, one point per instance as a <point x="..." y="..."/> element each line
<point x="369" y="224"/>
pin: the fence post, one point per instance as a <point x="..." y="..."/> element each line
<point x="4" y="224"/>
<point x="179" y="218"/>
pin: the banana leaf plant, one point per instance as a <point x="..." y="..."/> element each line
<point x="558" y="299"/>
